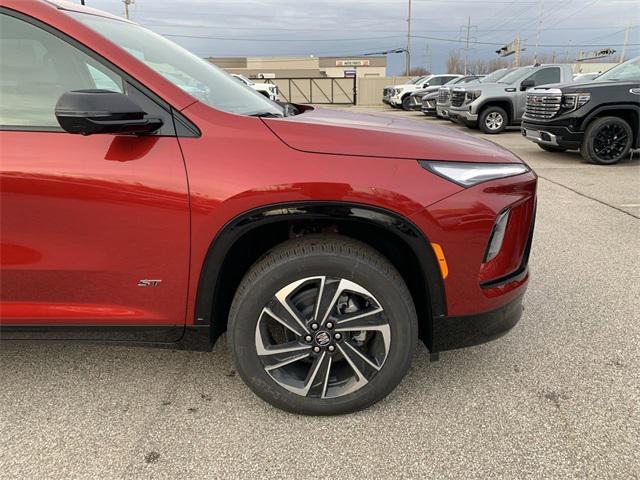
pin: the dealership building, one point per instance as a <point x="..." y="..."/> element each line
<point x="304" y="67"/>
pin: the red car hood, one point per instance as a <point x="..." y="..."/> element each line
<point x="379" y="135"/>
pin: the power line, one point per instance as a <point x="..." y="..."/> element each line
<point x="426" y="37"/>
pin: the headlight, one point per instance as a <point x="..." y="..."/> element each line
<point x="472" y="95"/>
<point x="573" y="101"/>
<point x="396" y="91"/>
<point x="469" y="174"/>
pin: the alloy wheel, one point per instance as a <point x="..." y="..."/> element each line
<point x="610" y="141"/>
<point x="494" y="121"/>
<point x="322" y="337"/>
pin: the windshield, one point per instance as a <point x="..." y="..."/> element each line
<point x="497" y="75"/>
<point x="413" y="81"/>
<point x="515" y="75"/>
<point x="628" y="71"/>
<point x="197" y="77"/>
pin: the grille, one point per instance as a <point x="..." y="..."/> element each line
<point x="457" y="98"/>
<point x="387" y="92"/>
<point x="444" y="96"/>
<point x="542" y="105"/>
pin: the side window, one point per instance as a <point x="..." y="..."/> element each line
<point x="437" y="81"/>
<point x="36" y="67"/>
<point x="545" y="76"/>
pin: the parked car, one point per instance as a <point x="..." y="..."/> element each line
<point x="428" y="100"/>
<point x="415" y="98"/>
<point x="443" y="102"/>
<point x="601" y="117"/>
<point x="387" y="91"/>
<point x="269" y="90"/>
<point x="494" y="106"/>
<point x="399" y="95"/>
<point x="323" y="242"/>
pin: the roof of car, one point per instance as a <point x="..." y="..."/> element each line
<point x="75" y="7"/>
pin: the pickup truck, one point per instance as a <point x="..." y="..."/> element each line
<point x="494" y="106"/>
<point x="427" y="98"/>
<point x="398" y="95"/>
<point x="600" y="117"/>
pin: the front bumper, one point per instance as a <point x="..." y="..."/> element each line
<point x="463" y="115"/>
<point x="553" y="135"/>
<point x="442" y="112"/>
<point x="450" y="333"/>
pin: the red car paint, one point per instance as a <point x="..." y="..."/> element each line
<point x="85" y="218"/>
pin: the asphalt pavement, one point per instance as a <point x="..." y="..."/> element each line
<point x="558" y="397"/>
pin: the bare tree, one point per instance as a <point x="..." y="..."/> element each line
<point x="454" y="62"/>
<point x="418" y="72"/>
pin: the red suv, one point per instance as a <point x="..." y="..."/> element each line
<point x="149" y="197"/>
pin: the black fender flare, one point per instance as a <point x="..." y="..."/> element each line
<point x="489" y="101"/>
<point x="613" y="108"/>
<point x="392" y="222"/>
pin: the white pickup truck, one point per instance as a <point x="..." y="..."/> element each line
<point x="267" y="89"/>
<point x="398" y="95"/>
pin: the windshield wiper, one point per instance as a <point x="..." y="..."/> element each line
<point x="266" y="115"/>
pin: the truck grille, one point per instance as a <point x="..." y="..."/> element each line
<point x="444" y="96"/>
<point x="457" y="98"/>
<point x="387" y="92"/>
<point x="542" y="106"/>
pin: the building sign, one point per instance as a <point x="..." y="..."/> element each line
<point x="350" y="74"/>
<point x="352" y="63"/>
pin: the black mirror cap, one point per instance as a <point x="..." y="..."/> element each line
<point x="527" y="84"/>
<point x="89" y="112"/>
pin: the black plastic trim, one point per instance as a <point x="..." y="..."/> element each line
<point x="450" y="333"/>
<point x="176" y="337"/>
<point x="296" y="211"/>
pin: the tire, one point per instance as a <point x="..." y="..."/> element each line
<point x="493" y="120"/>
<point x="607" y="140"/>
<point x="406" y="102"/>
<point x="551" y="148"/>
<point x="293" y="271"/>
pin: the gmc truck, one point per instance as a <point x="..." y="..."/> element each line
<point x="398" y="95"/>
<point x="494" y="106"/>
<point x="601" y="117"/>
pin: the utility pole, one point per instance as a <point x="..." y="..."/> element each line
<point x="626" y="41"/>
<point x="126" y="7"/>
<point x="408" y="41"/>
<point x="535" y="53"/>
<point x="466" y="48"/>
<point x="517" y="59"/>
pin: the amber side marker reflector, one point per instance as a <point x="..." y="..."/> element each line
<point x="444" y="269"/>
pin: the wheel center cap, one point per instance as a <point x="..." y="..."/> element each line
<point x="323" y="338"/>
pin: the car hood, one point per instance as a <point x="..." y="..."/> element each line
<point x="373" y="135"/>
<point x="426" y="91"/>
<point x="581" y="86"/>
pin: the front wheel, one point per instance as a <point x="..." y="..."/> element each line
<point x="493" y="120"/>
<point x="607" y="140"/>
<point x="322" y="326"/>
<point x="406" y="103"/>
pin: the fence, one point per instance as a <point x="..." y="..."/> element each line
<point x="335" y="91"/>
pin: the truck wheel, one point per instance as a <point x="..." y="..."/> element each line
<point x="551" y="148"/>
<point x="322" y="326"/>
<point x="607" y="140"/>
<point x="406" y="103"/>
<point x="493" y="120"/>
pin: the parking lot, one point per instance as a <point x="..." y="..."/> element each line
<point x="558" y="397"/>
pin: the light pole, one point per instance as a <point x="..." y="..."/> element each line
<point x="408" y="60"/>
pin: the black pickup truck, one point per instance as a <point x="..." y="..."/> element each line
<point x="601" y="118"/>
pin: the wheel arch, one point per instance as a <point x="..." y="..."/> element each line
<point x="252" y="234"/>
<point x="503" y="102"/>
<point x="628" y="113"/>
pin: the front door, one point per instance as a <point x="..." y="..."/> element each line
<point x="94" y="229"/>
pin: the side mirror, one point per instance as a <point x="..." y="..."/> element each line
<point x="102" y="111"/>
<point x="528" y="83"/>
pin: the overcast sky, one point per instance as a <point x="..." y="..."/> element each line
<point x="342" y="27"/>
